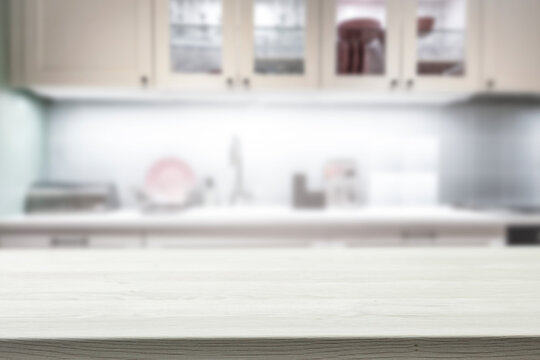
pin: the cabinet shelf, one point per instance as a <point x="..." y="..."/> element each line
<point x="196" y="26"/>
<point x="279" y="29"/>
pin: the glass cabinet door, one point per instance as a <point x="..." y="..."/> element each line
<point x="195" y="43"/>
<point x="361" y="43"/>
<point x="280" y="43"/>
<point x="196" y="36"/>
<point x="441" y="46"/>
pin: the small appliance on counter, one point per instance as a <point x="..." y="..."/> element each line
<point x="340" y="178"/>
<point x="59" y="197"/>
<point x="304" y="198"/>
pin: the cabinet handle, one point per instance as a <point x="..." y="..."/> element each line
<point x="230" y="82"/>
<point x="394" y="84"/>
<point x="144" y="81"/>
<point x="247" y="82"/>
<point x="410" y="84"/>
<point x="490" y="84"/>
<point x="69" y="242"/>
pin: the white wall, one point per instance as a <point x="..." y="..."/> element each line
<point x="406" y="154"/>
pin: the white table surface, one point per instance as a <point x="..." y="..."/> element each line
<point x="390" y="293"/>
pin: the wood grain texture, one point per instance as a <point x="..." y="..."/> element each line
<point x="272" y="349"/>
<point x="262" y="294"/>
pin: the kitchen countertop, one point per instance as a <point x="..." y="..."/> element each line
<point x="268" y="217"/>
<point x="286" y="304"/>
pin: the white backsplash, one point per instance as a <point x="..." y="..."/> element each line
<point x="407" y="155"/>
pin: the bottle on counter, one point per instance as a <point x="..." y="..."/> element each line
<point x="209" y="195"/>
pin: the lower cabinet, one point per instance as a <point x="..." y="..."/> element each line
<point x="374" y="238"/>
<point x="25" y="242"/>
<point x="453" y="237"/>
<point x="171" y="241"/>
<point x="116" y="241"/>
<point x="71" y="241"/>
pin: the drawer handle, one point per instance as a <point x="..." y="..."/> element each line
<point x="144" y="81"/>
<point x="75" y="242"/>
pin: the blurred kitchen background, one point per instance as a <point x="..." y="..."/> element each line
<point x="484" y="152"/>
<point x="305" y="105"/>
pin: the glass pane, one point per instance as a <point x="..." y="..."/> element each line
<point x="442" y="26"/>
<point x="361" y="37"/>
<point x="279" y="27"/>
<point x="196" y="36"/>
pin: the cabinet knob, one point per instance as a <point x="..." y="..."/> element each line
<point x="394" y="83"/>
<point x="247" y="82"/>
<point x="490" y="84"/>
<point x="410" y="84"/>
<point x="144" y="81"/>
<point x="230" y="82"/>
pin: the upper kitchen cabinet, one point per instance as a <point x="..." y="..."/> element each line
<point x="237" y="44"/>
<point x="511" y="45"/>
<point x="279" y="44"/>
<point x="195" y="44"/>
<point x="82" y="43"/>
<point x="362" y="44"/>
<point x="441" y="45"/>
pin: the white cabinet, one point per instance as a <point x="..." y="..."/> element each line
<point x="116" y="241"/>
<point x="25" y="242"/>
<point x="172" y="241"/>
<point x="279" y="44"/>
<point x="361" y="44"/>
<point x="452" y="237"/>
<point x="511" y="45"/>
<point x="441" y="48"/>
<point x="44" y="241"/>
<point x="405" y="45"/>
<point x="52" y="240"/>
<point x="420" y="236"/>
<point x="81" y="43"/>
<point x="236" y="44"/>
<point x="195" y="44"/>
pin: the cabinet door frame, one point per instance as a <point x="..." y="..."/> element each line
<point x="387" y="82"/>
<point x="250" y="79"/>
<point x="166" y="79"/>
<point x="427" y="83"/>
<point x="17" y="24"/>
<point x="37" y="74"/>
<point x="493" y="76"/>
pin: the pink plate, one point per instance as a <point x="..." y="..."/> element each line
<point x="170" y="181"/>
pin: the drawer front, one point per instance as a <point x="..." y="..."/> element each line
<point x="44" y="241"/>
<point x="25" y="242"/>
<point x="180" y="242"/>
<point x="453" y="237"/>
<point x="133" y="241"/>
<point x="71" y="241"/>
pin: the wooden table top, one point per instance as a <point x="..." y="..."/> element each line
<point x="260" y="294"/>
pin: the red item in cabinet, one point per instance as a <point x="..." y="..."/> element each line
<point x="354" y="37"/>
